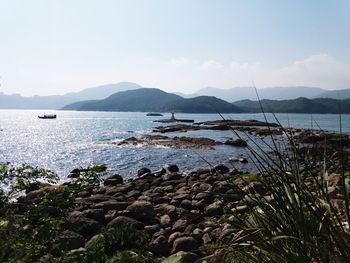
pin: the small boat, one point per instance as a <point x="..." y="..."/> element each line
<point x="48" y="116"/>
<point x="154" y="114"/>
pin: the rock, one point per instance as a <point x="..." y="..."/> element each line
<point x="186" y="204"/>
<point x="96" y="214"/>
<point x="95" y="239"/>
<point x="165" y="221"/>
<point x="197" y="233"/>
<point x="222" y="187"/>
<point x="234" y="171"/>
<point x="215" y="233"/>
<point x="160" y="172"/>
<point x="123" y="220"/>
<point x="151" y="229"/>
<point x="113" y="180"/>
<point x="69" y="240"/>
<point x="205" y="197"/>
<point x="173" y="237"/>
<point x="83" y="225"/>
<point x="141" y="210"/>
<point x="240" y="160"/>
<point x="143" y="171"/>
<point x="172" y="168"/>
<point x="206" y="239"/>
<point x="182" y="257"/>
<point x="221" y="168"/>
<point x="215" y="209"/>
<point x="236" y="142"/>
<point x="180" y="225"/>
<point x="35" y="186"/>
<point x="255" y="187"/>
<point x="160" y="246"/>
<point x="171" y="176"/>
<point x="111" y="205"/>
<point x="185" y="244"/>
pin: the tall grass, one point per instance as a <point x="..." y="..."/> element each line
<point x="298" y="219"/>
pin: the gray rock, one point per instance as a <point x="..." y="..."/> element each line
<point x="160" y="246"/>
<point x="171" y="176"/>
<point x="85" y="226"/>
<point x="185" y="244"/>
<point x="123" y="220"/>
<point x="111" y="205"/>
<point x="113" y="180"/>
<point x="172" y="168"/>
<point x="180" y="225"/>
<point x="96" y="214"/>
<point x="165" y="220"/>
<point x="186" y="204"/>
<point x="221" y="168"/>
<point x="215" y="209"/>
<point x="142" y="211"/>
<point x="143" y="171"/>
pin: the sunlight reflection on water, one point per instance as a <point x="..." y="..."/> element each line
<point x="77" y="139"/>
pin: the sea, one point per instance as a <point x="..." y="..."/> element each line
<point x="80" y="139"/>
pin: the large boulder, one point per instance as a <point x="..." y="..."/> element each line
<point x="123" y="220"/>
<point x="113" y="180"/>
<point x="85" y="226"/>
<point x="141" y="210"/>
<point x="143" y="171"/>
<point x="214" y="209"/>
<point x="172" y="168"/>
<point x="221" y="168"/>
<point x="159" y="246"/>
<point x="185" y="244"/>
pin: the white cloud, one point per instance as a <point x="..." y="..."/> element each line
<point x="179" y="61"/>
<point x="320" y="70"/>
<point x="211" y="65"/>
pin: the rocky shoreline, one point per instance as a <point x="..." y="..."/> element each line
<point x="182" y="212"/>
<point x="186" y="214"/>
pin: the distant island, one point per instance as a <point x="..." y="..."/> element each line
<point x="156" y="100"/>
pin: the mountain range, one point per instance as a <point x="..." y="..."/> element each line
<point x="156" y="100"/>
<point x="272" y="93"/>
<point x="299" y="105"/>
<point x="17" y="101"/>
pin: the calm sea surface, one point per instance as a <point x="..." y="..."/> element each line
<point x="79" y="139"/>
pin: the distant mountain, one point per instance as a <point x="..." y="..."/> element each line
<point x="335" y="94"/>
<point x="202" y="104"/>
<point x="299" y="105"/>
<point x="17" y="101"/>
<point x="101" y="92"/>
<point x="156" y="100"/>
<point x="274" y="93"/>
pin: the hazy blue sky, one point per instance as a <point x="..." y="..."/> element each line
<point x="55" y="46"/>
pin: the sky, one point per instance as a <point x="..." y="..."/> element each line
<point x="57" y="46"/>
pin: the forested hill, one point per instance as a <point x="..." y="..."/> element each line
<point x="299" y="105"/>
